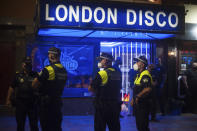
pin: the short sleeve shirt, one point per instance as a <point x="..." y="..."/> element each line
<point x="96" y="81"/>
<point x="144" y="83"/>
<point x="15" y="82"/>
<point x="20" y="78"/>
<point x="43" y="75"/>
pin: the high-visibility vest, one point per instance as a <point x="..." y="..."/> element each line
<point x="110" y="85"/>
<point x="138" y="78"/>
<point x="56" y="81"/>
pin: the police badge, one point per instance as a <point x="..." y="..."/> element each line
<point x="145" y="80"/>
<point x="21" y="80"/>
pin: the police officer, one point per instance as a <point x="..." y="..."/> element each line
<point x="191" y="82"/>
<point x="160" y="87"/>
<point x="51" y="82"/>
<point x="23" y="96"/>
<point x="141" y="94"/>
<point x="153" y="107"/>
<point x="106" y="86"/>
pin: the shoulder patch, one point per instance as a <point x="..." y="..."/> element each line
<point x="145" y="80"/>
<point x="40" y="73"/>
<point x="21" y="80"/>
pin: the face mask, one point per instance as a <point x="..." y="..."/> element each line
<point x="135" y="67"/>
<point x="99" y="65"/>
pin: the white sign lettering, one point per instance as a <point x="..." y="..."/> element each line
<point x="111" y="16"/>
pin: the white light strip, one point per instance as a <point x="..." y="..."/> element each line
<point x="123" y="66"/>
<point x="112" y="52"/>
<point x="146" y="49"/>
<point x="131" y="55"/>
<point x="141" y="48"/>
<point x="119" y="51"/>
<point x="136" y="50"/>
<point x="127" y="55"/>
<point x="127" y="68"/>
<point x="110" y="44"/>
<point x="115" y="53"/>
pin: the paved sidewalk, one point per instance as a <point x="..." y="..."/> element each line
<point x="184" y="122"/>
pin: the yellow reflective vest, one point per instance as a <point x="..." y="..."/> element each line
<point x="138" y="78"/>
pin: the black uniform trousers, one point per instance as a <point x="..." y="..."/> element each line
<point x="24" y="108"/>
<point x="153" y="105"/>
<point x="51" y="114"/>
<point x="107" y="113"/>
<point x="141" y="111"/>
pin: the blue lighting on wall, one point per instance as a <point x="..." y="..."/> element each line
<point x="102" y="34"/>
<point x="160" y="36"/>
<point x="63" y="32"/>
<point x="77" y="59"/>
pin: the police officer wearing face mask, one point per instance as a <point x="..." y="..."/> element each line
<point x="106" y="86"/>
<point x="141" y="94"/>
<point x="23" y="96"/>
<point x="51" y="82"/>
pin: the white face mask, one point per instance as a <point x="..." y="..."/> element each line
<point x="99" y="65"/>
<point x="135" y="67"/>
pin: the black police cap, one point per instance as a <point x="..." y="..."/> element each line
<point x="27" y="60"/>
<point x="54" y="50"/>
<point x="105" y="55"/>
<point x="142" y="59"/>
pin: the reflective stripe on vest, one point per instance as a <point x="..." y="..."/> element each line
<point x="52" y="72"/>
<point x="104" y="76"/>
<point x="138" y="79"/>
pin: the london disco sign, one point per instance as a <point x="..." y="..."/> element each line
<point x="112" y="16"/>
